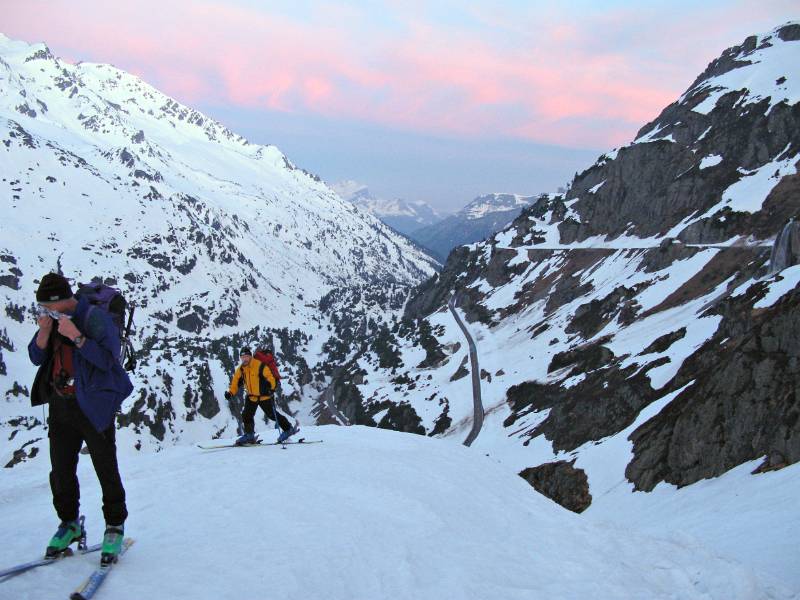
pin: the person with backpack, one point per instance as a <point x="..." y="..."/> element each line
<point x="259" y="385"/>
<point x="77" y="350"/>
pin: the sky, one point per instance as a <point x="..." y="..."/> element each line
<point x="438" y="101"/>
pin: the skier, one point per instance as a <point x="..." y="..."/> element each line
<point x="259" y="384"/>
<point x="77" y="350"/>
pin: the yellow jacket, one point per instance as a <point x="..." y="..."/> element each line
<point x="259" y="382"/>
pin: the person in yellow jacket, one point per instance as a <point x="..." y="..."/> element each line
<point x="259" y="386"/>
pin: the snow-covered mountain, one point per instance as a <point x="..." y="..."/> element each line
<point x="403" y="215"/>
<point x="366" y="514"/>
<point x="637" y="343"/>
<point x="217" y="241"/>
<point x="640" y="335"/>
<point x="478" y="220"/>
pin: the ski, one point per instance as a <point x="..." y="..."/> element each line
<point x="258" y="444"/>
<point x="92" y="583"/>
<point x="300" y="441"/>
<point x="18" y="569"/>
<point x="221" y="446"/>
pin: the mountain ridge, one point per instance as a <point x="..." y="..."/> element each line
<point x="479" y="219"/>
<point x="403" y="216"/>
<point x="219" y="243"/>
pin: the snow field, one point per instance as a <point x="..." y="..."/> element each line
<point x="368" y="514"/>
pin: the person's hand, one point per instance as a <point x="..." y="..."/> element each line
<point x="67" y="328"/>
<point x="227" y="395"/>
<point x="45" y="323"/>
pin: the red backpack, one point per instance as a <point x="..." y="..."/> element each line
<point x="269" y="360"/>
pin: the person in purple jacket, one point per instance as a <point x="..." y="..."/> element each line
<point x="77" y="349"/>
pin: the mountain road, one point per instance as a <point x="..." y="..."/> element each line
<point x="477" y="421"/>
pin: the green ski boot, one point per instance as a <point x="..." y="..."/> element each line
<point x="67" y="533"/>
<point x="112" y="544"/>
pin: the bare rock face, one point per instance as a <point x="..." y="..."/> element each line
<point x="652" y="185"/>
<point x="435" y="292"/>
<point x="665" y="341"/>
<point x="584" y="359"/>
<point x="561" y="482"/>
<point x="607" y="401"/>
<point x="402" y="417"/>
<point x="744" y="402"/>
<point x="593" y="316"/>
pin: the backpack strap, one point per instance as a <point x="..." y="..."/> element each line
<point x="89" y="312"/>
<point x="90" y="326"/>
<point x="262" y="375"/>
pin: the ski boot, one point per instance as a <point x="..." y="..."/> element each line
<point x="285" y="435"/>
<point x="247" y="439"/>
<point x="67" y="533"/>
<point x="112" y="544"/>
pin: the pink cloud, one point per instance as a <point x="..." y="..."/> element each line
<point x="542" y="76"/>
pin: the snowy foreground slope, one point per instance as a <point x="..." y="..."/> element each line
<point x="368" y="514"/>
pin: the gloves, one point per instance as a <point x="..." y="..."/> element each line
<point x="227" y="395"/>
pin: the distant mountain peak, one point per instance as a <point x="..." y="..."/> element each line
<point x="749" y="54"/>
<point x="349" y="188"/>
<point x="478" y="220"/>
<point x="403" y="215"/>
<point x="495" y="202"/>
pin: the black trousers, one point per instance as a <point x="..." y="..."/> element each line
<point x="249" y="413"/>
<point x="69" y="428"/>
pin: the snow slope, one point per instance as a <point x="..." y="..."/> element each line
<point x="368" y="514"/>
<point x="763" y="71"/>
<point x="219" y="242"/>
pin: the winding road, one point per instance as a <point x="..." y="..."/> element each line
<point x="329" y="401"/>
<point x="477" y="421"/>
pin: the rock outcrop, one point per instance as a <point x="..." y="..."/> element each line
<point x="561" y="482"/>
<point x="742" y="401"/>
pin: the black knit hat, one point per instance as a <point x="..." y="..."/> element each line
<point x="244" y="351"/>
<point x="53" y="287"/>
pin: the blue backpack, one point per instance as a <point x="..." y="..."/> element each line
<point x="114" y="303"/>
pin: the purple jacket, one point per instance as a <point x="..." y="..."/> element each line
<point x="101" y="384"/>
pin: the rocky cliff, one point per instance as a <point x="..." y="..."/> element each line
<point x="717" y="164"/>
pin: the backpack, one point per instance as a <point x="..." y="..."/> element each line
<point x="268" y="359"/>
<point x="114" y="303"/>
